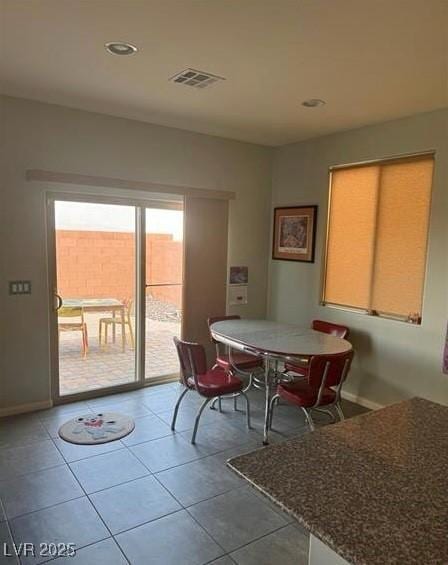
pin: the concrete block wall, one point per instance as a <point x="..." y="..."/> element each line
<point x="101" y="264"/>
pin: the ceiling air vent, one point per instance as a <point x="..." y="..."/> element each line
<point x="198" y="79"/>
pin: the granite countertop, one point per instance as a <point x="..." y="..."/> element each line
<point x="373" y="488"/>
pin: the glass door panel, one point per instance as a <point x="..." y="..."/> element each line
<point x="164" y="263"/>
<point x="96" y="281"/>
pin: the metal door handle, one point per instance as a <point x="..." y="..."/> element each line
<point x="59" y="301"/>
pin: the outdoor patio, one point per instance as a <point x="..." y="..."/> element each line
<point x="110" y="366"/>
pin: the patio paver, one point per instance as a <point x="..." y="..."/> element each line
<point x="111" y="366"/>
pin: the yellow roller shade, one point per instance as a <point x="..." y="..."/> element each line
<point x="354" y="194"/>
<point x="377" y="236"/>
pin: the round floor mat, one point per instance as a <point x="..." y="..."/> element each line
<point x="96" y="428"/>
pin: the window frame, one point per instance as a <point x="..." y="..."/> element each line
<point x="363" y="311"/>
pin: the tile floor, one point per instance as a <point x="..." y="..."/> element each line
<point x="151" y="498"/>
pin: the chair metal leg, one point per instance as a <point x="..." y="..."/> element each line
<point x="176" y="408"/>
<point x="244" y="395"/>
<point x="273" y="404"/>
<point x="339" y="411"/>
<point x="198" y="417"/>
<point x="308" y="419"/>
<point x="326" y="411"/>
<point x="250" y="383"/>
<point x="267" y="392"/>
<point x="219" y="404"/>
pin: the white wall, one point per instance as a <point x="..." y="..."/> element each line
<point x="43" y="136"/>
<point x="394" y="360"/>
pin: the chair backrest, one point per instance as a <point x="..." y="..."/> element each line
<point x="192" y="359"/>
<point x="330" y="328"/>
<point x="214" y="319"/>
<point x="70" y="312"/>
<point x="329" y="370"/>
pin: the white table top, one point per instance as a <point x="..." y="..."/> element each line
<point x="285" y="340"/>
<point x="87" y="303"/>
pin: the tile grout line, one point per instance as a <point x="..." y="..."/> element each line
<point x="96" y="511"/>
<point x="245" y="544"/>
<point x="150" y="473"/>
<point x="85" y="495"/>
<point x="8" y="527"/>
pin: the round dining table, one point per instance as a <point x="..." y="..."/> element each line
<point x="276" y="342"/>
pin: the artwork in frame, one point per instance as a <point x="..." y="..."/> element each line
<point x="294" y="233"/>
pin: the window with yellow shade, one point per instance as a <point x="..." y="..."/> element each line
<point x="377" y="236"/>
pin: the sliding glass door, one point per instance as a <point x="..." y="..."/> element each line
<point x="95" y="293"/>
<point x="116" y="275"/>
<point x="164" y="266"/>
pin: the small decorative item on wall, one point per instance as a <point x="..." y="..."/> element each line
<point x="294" y="233"/>
<point x="238" y="281"/>
<point x="239" y="275"/>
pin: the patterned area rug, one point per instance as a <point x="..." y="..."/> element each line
<point x="96" y="428"/>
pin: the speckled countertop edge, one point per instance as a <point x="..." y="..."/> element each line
<point x="349" y="551"/>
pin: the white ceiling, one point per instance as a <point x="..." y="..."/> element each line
<point x="371" y="60"/>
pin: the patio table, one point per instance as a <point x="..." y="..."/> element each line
<point x="100" y="305"/>
<point x="276" y="342"/>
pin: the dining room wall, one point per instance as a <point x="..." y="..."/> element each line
<point x="36" y="135"/>
<point x="394" y="360"/>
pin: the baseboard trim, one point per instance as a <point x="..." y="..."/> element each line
<point x="42" y="405"/>
<point x="25" y="408"/>
<point x="361" y="400"/>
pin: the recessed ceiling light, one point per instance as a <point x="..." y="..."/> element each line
<point x="313" y="103"/>
<point x="120" y="48"/>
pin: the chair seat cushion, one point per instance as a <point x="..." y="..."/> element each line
<point x="216" y="382"/>
<point x="302" y="394"/>
<point x="296" y="369"/>
<point x="242" y="361"/>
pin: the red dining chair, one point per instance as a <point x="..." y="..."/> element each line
<point x="209" y="383"/>
<point x="326" y="375"/>
<point x="320" y="326"/>
<point x="237" y="362"/>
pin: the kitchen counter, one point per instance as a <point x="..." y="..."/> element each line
<point x="373" y="489"/>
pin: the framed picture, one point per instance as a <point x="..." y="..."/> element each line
<point x="294" y="233"/>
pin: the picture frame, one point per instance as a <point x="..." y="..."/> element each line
<point x="294" y="233"/>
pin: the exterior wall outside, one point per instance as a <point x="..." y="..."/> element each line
<point x="101" y="264"/>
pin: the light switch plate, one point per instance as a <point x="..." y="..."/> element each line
<point x="19" y="287"/>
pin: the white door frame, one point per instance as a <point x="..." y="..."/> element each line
<point x="140" y="206"/>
